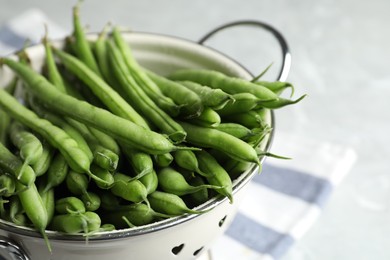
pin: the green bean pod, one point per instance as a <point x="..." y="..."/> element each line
<point x="5" y="121"/>
<point x="215" y="174"/>
<point x="87" y="222"/>
<point x="163" y="160"/>
<point x="186" y="159"/>
<point x="244" y="102"/>
<point x="24" y="174"/>
<point x="140" y="162"/>
<point x="226" y="143"/>
<point x="7" y="185"/>
<point x="77" y="183"/>
<point x="137" y="214"/>
<point x="29" y="145"/>
<point x="128" y="189"/>
<point x="91" y="201"/>
<point x="48" y="199"/>
<point x="15" y="209"/>
<point x="172" y="181"/>
<point x="236" y="130"/>
<point x="103" y="174"/>
<point x="44" y="162"/>
<point x="213" y="98"/>
<point x="208" y="118"/>
<point x="69" y="205"/>
<point x="190" y="103"/>
<point x="170" y="204"/>
<point x="121" y="129"/>
<point x="150" y="181"/>
<point x="57" y="172"/>
<point x="218" y="80"/>
<point x="276" y="86"/>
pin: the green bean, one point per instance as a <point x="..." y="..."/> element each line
<point x="190" y="103"/>
<point x="208" y="118"/>
<point x="141" y="77"/>
<point x="110" y="202"/>
<point x="128" y="189"/>
<point x="214" y="98"/>
<point x="140" y="162"/>
<point x="57" y="172"/>
<point x="163" y="160"/>
<point x="30" y="147"/>
<point x="76" y="223"/>
<point x="44" y="161"/>
<point x="281" y="102"/>
<point x="244" y="102"/>
<point x="150" y="181"/>
<point x="119" y="128"/>
<point x="53" y="73"/>
<point x="105" y="140"/>
<point x="34" y="208"/>
<point x="70" y="205"/>
<point x="76" y="183"/>
<point x="226" y="143"/>
<point x="5" y="121"/>
<point x="82" y="47"/>
<point x="104" y="157"/>
<point x="172" y="181"/>
<point x="186" y="159"/>
<point x="13" y="165"/>
<point x="200" y="196"/>
<point x="170" y="204"/>
<point x="236" y="130"/>
<point x="141" y="101"/>
<point x="276" y="86"/>
<point x="76" y="158"/>
<point x="103" y="174"/>
<point x="91" y="201"/>
<point x="15" y="208"/>
<point x="48" y="199"/>
<point x="7" y="185"/>
<point x="137" y="214"/>
<point x="101" y="89"/>
<point x="218" y="80"/>
<point x="215" y="174"/>
<point x="249" y="119"/>
<point x="100" y="50"/>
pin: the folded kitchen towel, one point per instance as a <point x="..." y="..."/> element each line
<point x="281" y="203"/>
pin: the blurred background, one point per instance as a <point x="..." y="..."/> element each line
<point x="340" y="58"/>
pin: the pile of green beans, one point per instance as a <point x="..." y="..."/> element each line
<point x="101" y="143"/>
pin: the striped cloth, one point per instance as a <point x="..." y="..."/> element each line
<point x="281" y="204"/>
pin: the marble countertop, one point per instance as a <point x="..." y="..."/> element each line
<point x="340" y="58"/>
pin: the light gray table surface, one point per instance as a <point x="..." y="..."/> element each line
<point x="341" y="59"/>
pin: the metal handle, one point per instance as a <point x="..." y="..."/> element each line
<point x="286" y="56"/>
<point x="11" y="251"/>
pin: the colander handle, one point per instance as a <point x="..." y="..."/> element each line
<point x="286" y="56"/>
<point x="9" y="250"/>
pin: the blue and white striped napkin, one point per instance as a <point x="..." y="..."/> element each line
<point x="282" y="202"/>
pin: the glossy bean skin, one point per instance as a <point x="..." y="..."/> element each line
<point x="119" y="128"/>
<point x="141" y="101"/>
<point x="236" y="130"/>
<point x="68" y="205"/>
<point x="128" y="189"/>
<point x="243" y="102"/>
<point x="44" y="162"/>
<point x="212" y="138"/>
<point x="91" y="201"/>
<point x="76" y="223"/>
<point x="215" y="174"/>
<point x="7" y="185"/>
<point x="208" y="118"/>
<point x="150" y="181"/>
<point x="24" y="174"/>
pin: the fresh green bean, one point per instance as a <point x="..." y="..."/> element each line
<point x="141" y="101"/>
<point x="249" y="119"/>
<point x="226" y="143"/>
<point x="105" y="140"/>
<point x="14" y="166"/>
<point x="170" y="204"/>
<point x="172" y="181"/>
<point x="244" y="102"/>
<point x="91" y="201"/>
<point x="140" y="162"/>
<point x="236" y="130"/>
<point x="128" y="189"/>
<point x="150" y="181"/>
<point x="70" y="205"/>
<point x="208" y="118"/>
<point x="200" y="196"/>
<point x="15" y="208"/>
<point x="137" y="214"/>
<point x="48" y="199"/>
<point x="218" y="80"/>
<point x="82" y="47"/>
<point x="214" y="98"/>
<point x="44" y="161"/>
<point x="87" y="223"/>
<point x="7" y="185"/>
<point x="101" y="89"/>
<point x="76" y="183"/>
<point x="190" y="103"/>
<point x="103" y="174"/>
<point x="186" y="159"/>
<point x="119" y="128"/>
<point x="215" y="174"/>
<point x="141" y="77"/>
<point x="163" y="160"/>
<point x="30" y="147"/>
<point x="5" y="121"/>
<point x="57" y="172"/>
<point x="34" y="208"/>
<point x="276" y="86"/>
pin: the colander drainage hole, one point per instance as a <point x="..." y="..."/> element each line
<point x="220" y="223"/>
<point x="198" y="251"/>
<point x="177" y="249"/>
